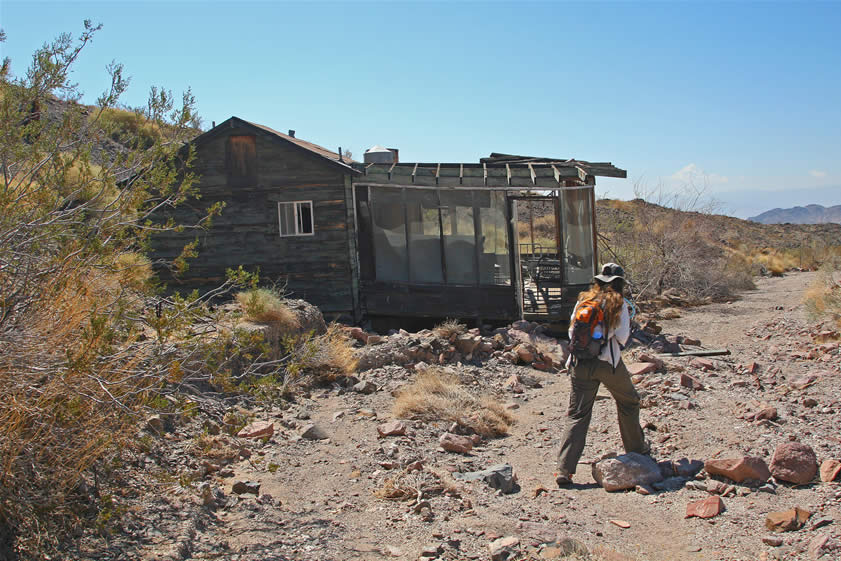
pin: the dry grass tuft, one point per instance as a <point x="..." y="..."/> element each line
<point x="325" y="358"/>
<point x="438" y="396"/>
<point x="262" y="305"/>
<point x="823" y="298"/>
<point x="448" y="328"/>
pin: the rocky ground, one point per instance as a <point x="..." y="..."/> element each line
<point x="337" y="478"/>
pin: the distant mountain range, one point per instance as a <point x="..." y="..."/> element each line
<point x="809" y="214"/>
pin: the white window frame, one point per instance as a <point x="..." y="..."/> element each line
<point x="296" y="205"/>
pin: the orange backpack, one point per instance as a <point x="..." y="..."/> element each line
<point x="588" y="331"/>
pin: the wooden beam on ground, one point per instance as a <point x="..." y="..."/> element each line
<point x="704" y="352"/>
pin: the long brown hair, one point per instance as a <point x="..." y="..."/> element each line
<point x="610" y="299"/>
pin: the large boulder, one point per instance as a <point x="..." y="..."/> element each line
<point x="794" y="462"/>
<point x="626" y="472"/>
<point x="309" y="317"/>
<point x="739" y="469"/>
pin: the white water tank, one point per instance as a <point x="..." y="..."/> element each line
<point x="379" y="155"/>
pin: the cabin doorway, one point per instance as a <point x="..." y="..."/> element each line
<point x="536" y="222"/>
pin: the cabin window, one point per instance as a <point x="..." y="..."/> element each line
<point x="295" y="218"/>
<point x="242" y="160"/>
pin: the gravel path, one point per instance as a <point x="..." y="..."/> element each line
<point x="323" y="506"/>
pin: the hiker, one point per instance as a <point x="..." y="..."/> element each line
<point x="606" y="295"/>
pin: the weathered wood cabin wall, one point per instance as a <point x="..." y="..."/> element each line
<point x="317" y="267"/>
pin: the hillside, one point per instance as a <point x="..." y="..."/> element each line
<point x="809" y="214"/>
<point x="730" y="230"/>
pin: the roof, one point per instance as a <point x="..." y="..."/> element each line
<point x="320" y="151"/>
<point x="500" y="171"/>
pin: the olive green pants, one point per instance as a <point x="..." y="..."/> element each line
<point x="585" y="378"/>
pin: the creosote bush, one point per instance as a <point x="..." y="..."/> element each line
<point x="85" y="352"/>
<point x="671" y="245"/>
<point x="439" y="396"/>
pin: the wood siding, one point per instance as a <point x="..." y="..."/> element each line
<point x="317" y="267"/>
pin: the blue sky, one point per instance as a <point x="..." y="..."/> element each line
<point x="740" y="99"/>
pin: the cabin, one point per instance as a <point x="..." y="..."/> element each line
<point x="391" y="242"/>
<point x="286" y="214"/>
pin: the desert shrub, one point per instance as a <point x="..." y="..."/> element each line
<point x="264" y="305"/>
<point x="448" y="328"/>
<point x="78" y="367"/>
<point x="672" y="245"/>
<point x="438" y="396"/>
<point x="823" y="297"/>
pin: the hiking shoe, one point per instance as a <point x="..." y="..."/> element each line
<point x="563" y="480"/>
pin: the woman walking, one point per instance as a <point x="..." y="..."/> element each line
<point x="607" y="368"/>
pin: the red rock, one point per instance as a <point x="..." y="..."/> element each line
<point x="691" y="382"/>
<point x="641" y="368"/>
<point x="773" y="541"/>
<point x="524" y="353"/>
<point x="392" y="428"/>
<point x="821" y="545"/>
<point x="455" y="443"/>
<point x="752" y="368"/>
<point x="794" y="462"/>
<point x="830" y="470"/>
<point x="709" y="507"/>
<point x="504" y="549"/>
<point x="769" y="413"/>
<point x="788" y="520"/>
<point x="803" y="382"/>
<point x="514" y="384"/>
<point x="621" y="523"/>
<point x="702" y="363"/>
<point x="257" y="430"/>
<point x="739" y="469"/>
<point x="691" y="342"/>
<point x="645" y="357"/>
<point x="358" y="334"/>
